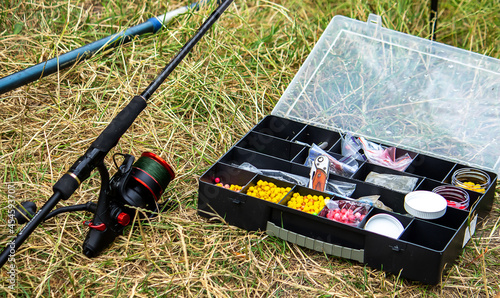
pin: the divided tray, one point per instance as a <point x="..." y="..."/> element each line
<point x="420" y="253"/>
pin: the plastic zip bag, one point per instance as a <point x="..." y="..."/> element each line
<point x="399" y="183"/>
<point x="374" y="201"/>
<point x="346" y="166"/>
<point x="345" y="211"/>
<point x="351" y="147"/>
<point x="386" y="157"/>
<point x="333" y="187"/>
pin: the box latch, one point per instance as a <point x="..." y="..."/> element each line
<point x="375" y="20"/>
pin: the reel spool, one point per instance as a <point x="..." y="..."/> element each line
<point x="148" y="180"/>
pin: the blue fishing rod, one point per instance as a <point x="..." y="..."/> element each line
<point x="53" y="65"/>
<point x="135" y="185"/>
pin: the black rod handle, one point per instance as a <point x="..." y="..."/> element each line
<point x="119" y="125"/>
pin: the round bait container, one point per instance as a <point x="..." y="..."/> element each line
<point x="425" y="204"/>
<point x="385" y="224"/>
<point x="456" y="197"/>
<point x="471" y="179"/>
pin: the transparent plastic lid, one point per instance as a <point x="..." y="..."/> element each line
<point x="400" y="90"/>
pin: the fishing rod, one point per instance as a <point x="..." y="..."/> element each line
<point x="135" y="185"/>
<point x="68" y="59"/>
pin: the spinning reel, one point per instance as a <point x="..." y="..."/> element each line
<point x="134" y="187"/>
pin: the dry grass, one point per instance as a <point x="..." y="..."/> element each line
<point x="229" y="82"/>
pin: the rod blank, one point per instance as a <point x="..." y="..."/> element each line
<point x="68" y="59"/>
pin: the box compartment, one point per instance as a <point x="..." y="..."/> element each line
<point x="260" y="143"/>
<point x="233" y="207"/>
<point x="314" y="135"/>
<point x="430" y="167"/>
<point x="279" y="128"/>
<point x="367" y="168"/>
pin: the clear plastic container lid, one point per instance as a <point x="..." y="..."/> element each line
<point x="400" y="90"/>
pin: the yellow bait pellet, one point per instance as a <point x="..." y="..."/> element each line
<point x="268" y="191"/>
<point x="309" y="203"/>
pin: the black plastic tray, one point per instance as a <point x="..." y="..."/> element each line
<point x="420" y="253"/>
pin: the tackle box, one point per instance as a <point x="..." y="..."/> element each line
<point x="436" y="103"/>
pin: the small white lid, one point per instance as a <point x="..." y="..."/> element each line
<point x="425" y="204"/>
<point x="384" y="224"/>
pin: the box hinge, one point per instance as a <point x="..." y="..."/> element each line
<point x="236" y="201"/>
<point x="398" y="247"/>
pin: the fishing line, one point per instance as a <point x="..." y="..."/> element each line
<point x="153" y="167"/>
